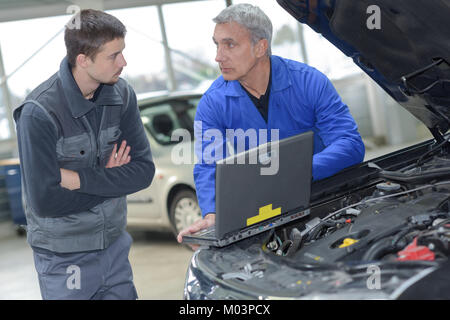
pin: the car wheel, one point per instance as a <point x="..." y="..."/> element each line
<point x="184" y="210"/>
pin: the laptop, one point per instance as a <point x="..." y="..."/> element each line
<point x="260" y="189"/>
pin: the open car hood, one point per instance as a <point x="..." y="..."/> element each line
<point x="408" y="56"/>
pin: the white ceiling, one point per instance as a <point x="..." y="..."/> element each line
<point x="11" y="10"/>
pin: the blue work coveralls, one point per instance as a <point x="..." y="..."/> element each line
<point x="301" y="99"/>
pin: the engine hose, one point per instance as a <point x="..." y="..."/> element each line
<point x="380" y="249"/>
<point x="387" y="233"/>
<point x="415" y="178"/>
<point x="384" y="245"/>
<point x="401" y="234"/>
<point x="317" y="230"/>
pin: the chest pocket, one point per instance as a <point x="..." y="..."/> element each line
<point x="108" y="137"/>
<point x="74" y="152"/>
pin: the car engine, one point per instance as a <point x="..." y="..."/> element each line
<point x="406" y="217"/>
<point x="389" y="221"/>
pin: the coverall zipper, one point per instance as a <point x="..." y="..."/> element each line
<point x="95" y="156"/>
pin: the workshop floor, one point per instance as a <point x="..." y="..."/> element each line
<point x="159" y="266"/>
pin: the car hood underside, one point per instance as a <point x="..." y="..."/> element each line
<point x="406" y="51"/>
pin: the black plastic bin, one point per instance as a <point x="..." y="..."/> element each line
<point x="10" y="169"/>
<point x="5" y="212"/>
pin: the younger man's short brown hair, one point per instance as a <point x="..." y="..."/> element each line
<point x="94" y="30"/>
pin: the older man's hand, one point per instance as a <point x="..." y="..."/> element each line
<point x="208" y="221"/>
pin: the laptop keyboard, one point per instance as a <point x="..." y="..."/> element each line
<point x="211" y="232"/>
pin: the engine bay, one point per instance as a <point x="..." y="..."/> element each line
<point x="388" y="218"/>
<point x="405" y="216"/>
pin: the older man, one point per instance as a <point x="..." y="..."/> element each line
<point x="258" y="90"/>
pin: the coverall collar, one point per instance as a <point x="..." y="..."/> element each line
<point x="279" y="74"/>
<point x="78" y="105"/>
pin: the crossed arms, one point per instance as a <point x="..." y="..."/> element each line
<point x="51" y="191"/>
<point x="71" y="180"/>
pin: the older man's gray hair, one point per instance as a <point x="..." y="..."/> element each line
<point x="250" y="17"/>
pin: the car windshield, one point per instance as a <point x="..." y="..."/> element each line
<point x="162" y="118"/>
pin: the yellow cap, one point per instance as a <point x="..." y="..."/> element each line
<point x="348" y="242"/>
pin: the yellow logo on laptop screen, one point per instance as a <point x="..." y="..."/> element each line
<point x="265" y="212"/>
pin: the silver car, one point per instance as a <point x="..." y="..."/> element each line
<point x="170" y="202"/>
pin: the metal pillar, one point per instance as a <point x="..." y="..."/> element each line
<point x="301" y="40"/>
<point x="172" y="85"/>
<point x="376" y="109"/>
<point x="6" y="98"/>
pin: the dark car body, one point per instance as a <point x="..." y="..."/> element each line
<point x="381" y="229"/>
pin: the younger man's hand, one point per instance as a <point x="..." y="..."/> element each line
<point x="71" y="180"/>
<point x="119" y="158"/>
